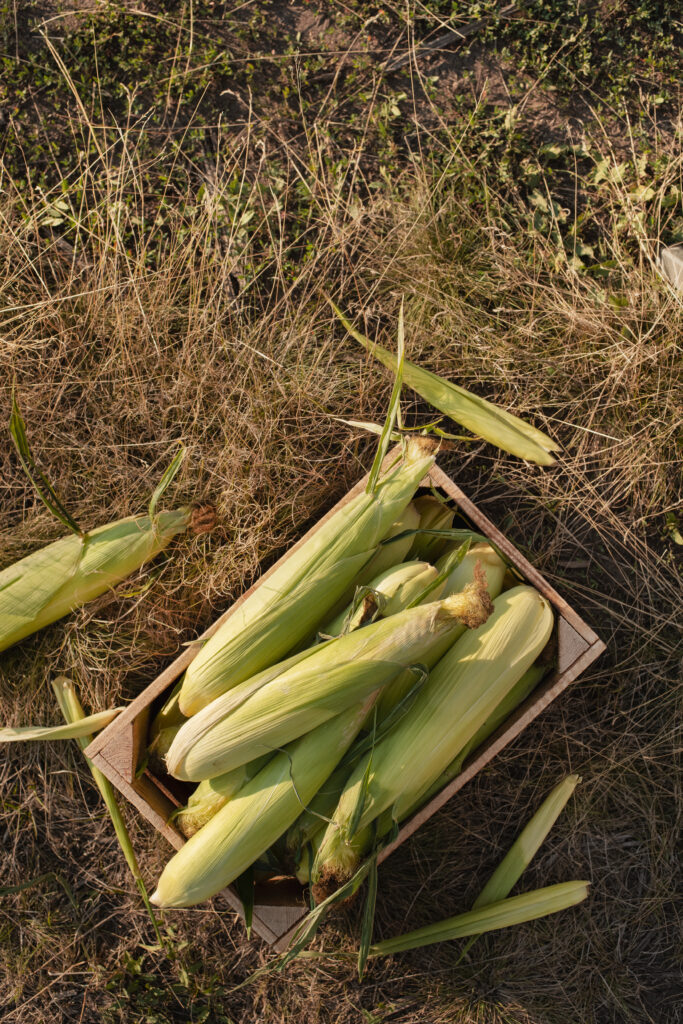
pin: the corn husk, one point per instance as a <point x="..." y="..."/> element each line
<point x="68" y="573"/>
<point x="164" y="729"/>
<point x="318" y="813"/>
<point x="73" y="712"/>
<point x="70" y="731"/>
<point x="529" y="906"/>
<point x="387" y="594"/>
<point x="462" y="692"/>
<point x="527" y="844"/>
<point x="250" y="720"/>
<point x="286" y="609"/>
<point x="388" y="555"/>
<point x="258" y="814"/>
<point x="213" y="794"/>
<point x="516" y="696"/>
<point x="483" y="418"/>
<point x="393" y="553"/>
<point x="491" y="562"/>
<point x="170" y="714"/>
<point x="479" y="563"/>
<point x="434" y="515"/>
<point x="524" y="848"/>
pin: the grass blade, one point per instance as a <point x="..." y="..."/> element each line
<point x="41" y="484"/>
<point x="10" y="890"/>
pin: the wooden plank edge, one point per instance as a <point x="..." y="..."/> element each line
<point x="259" y="925"/>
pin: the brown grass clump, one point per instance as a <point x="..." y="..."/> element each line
<point x="127" y="333"/>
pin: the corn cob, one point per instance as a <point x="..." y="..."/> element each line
<point x="461" y="693"/>
<point x="258" y="814"/>
<point x="66" y="574"/>
<point x="434" y="515"/>
<point x="212" y="794"/>
<point x="491" y="562"/>
<point x="390" y="592"/>
<point x="516" y="696"/>
<point x="249" y="720"/>
<point x="286" y="609"/>
<point x="169" y="715"/>
<point x="390" y="554"/>
<point x="310" y="827"/>
<point x="480" y="563"/>
<point x="163" y="730"/>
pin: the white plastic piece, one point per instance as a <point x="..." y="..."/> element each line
<point x="671" y="265"/>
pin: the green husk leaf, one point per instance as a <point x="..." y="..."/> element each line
<point x="72" y="711"/>
<point x="166" y="480"/>
<point x="362" y="794"/>
<point x="368" y="918"/>
<point x="453" y="560"/>
<point x="244" y="887"/>
<point x="451" y="534"/>
<point x="480" y="416"/>
<point x="310" y="924"/>
<point x="394" y="404"/>
<point x="71" y="731"/>
<point x="529" y="906"/>
<point x="515" y="910"/>
<point x="525" y="847"/>
<point x="392" y="718"/>
<point x="372" y="428"/>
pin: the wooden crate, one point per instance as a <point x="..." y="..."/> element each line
<point x="280" y="903"/>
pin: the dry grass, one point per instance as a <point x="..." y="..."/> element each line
<point x="125" y="335"/>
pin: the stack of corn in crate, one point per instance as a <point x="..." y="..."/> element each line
<point x="345" y="697"/>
